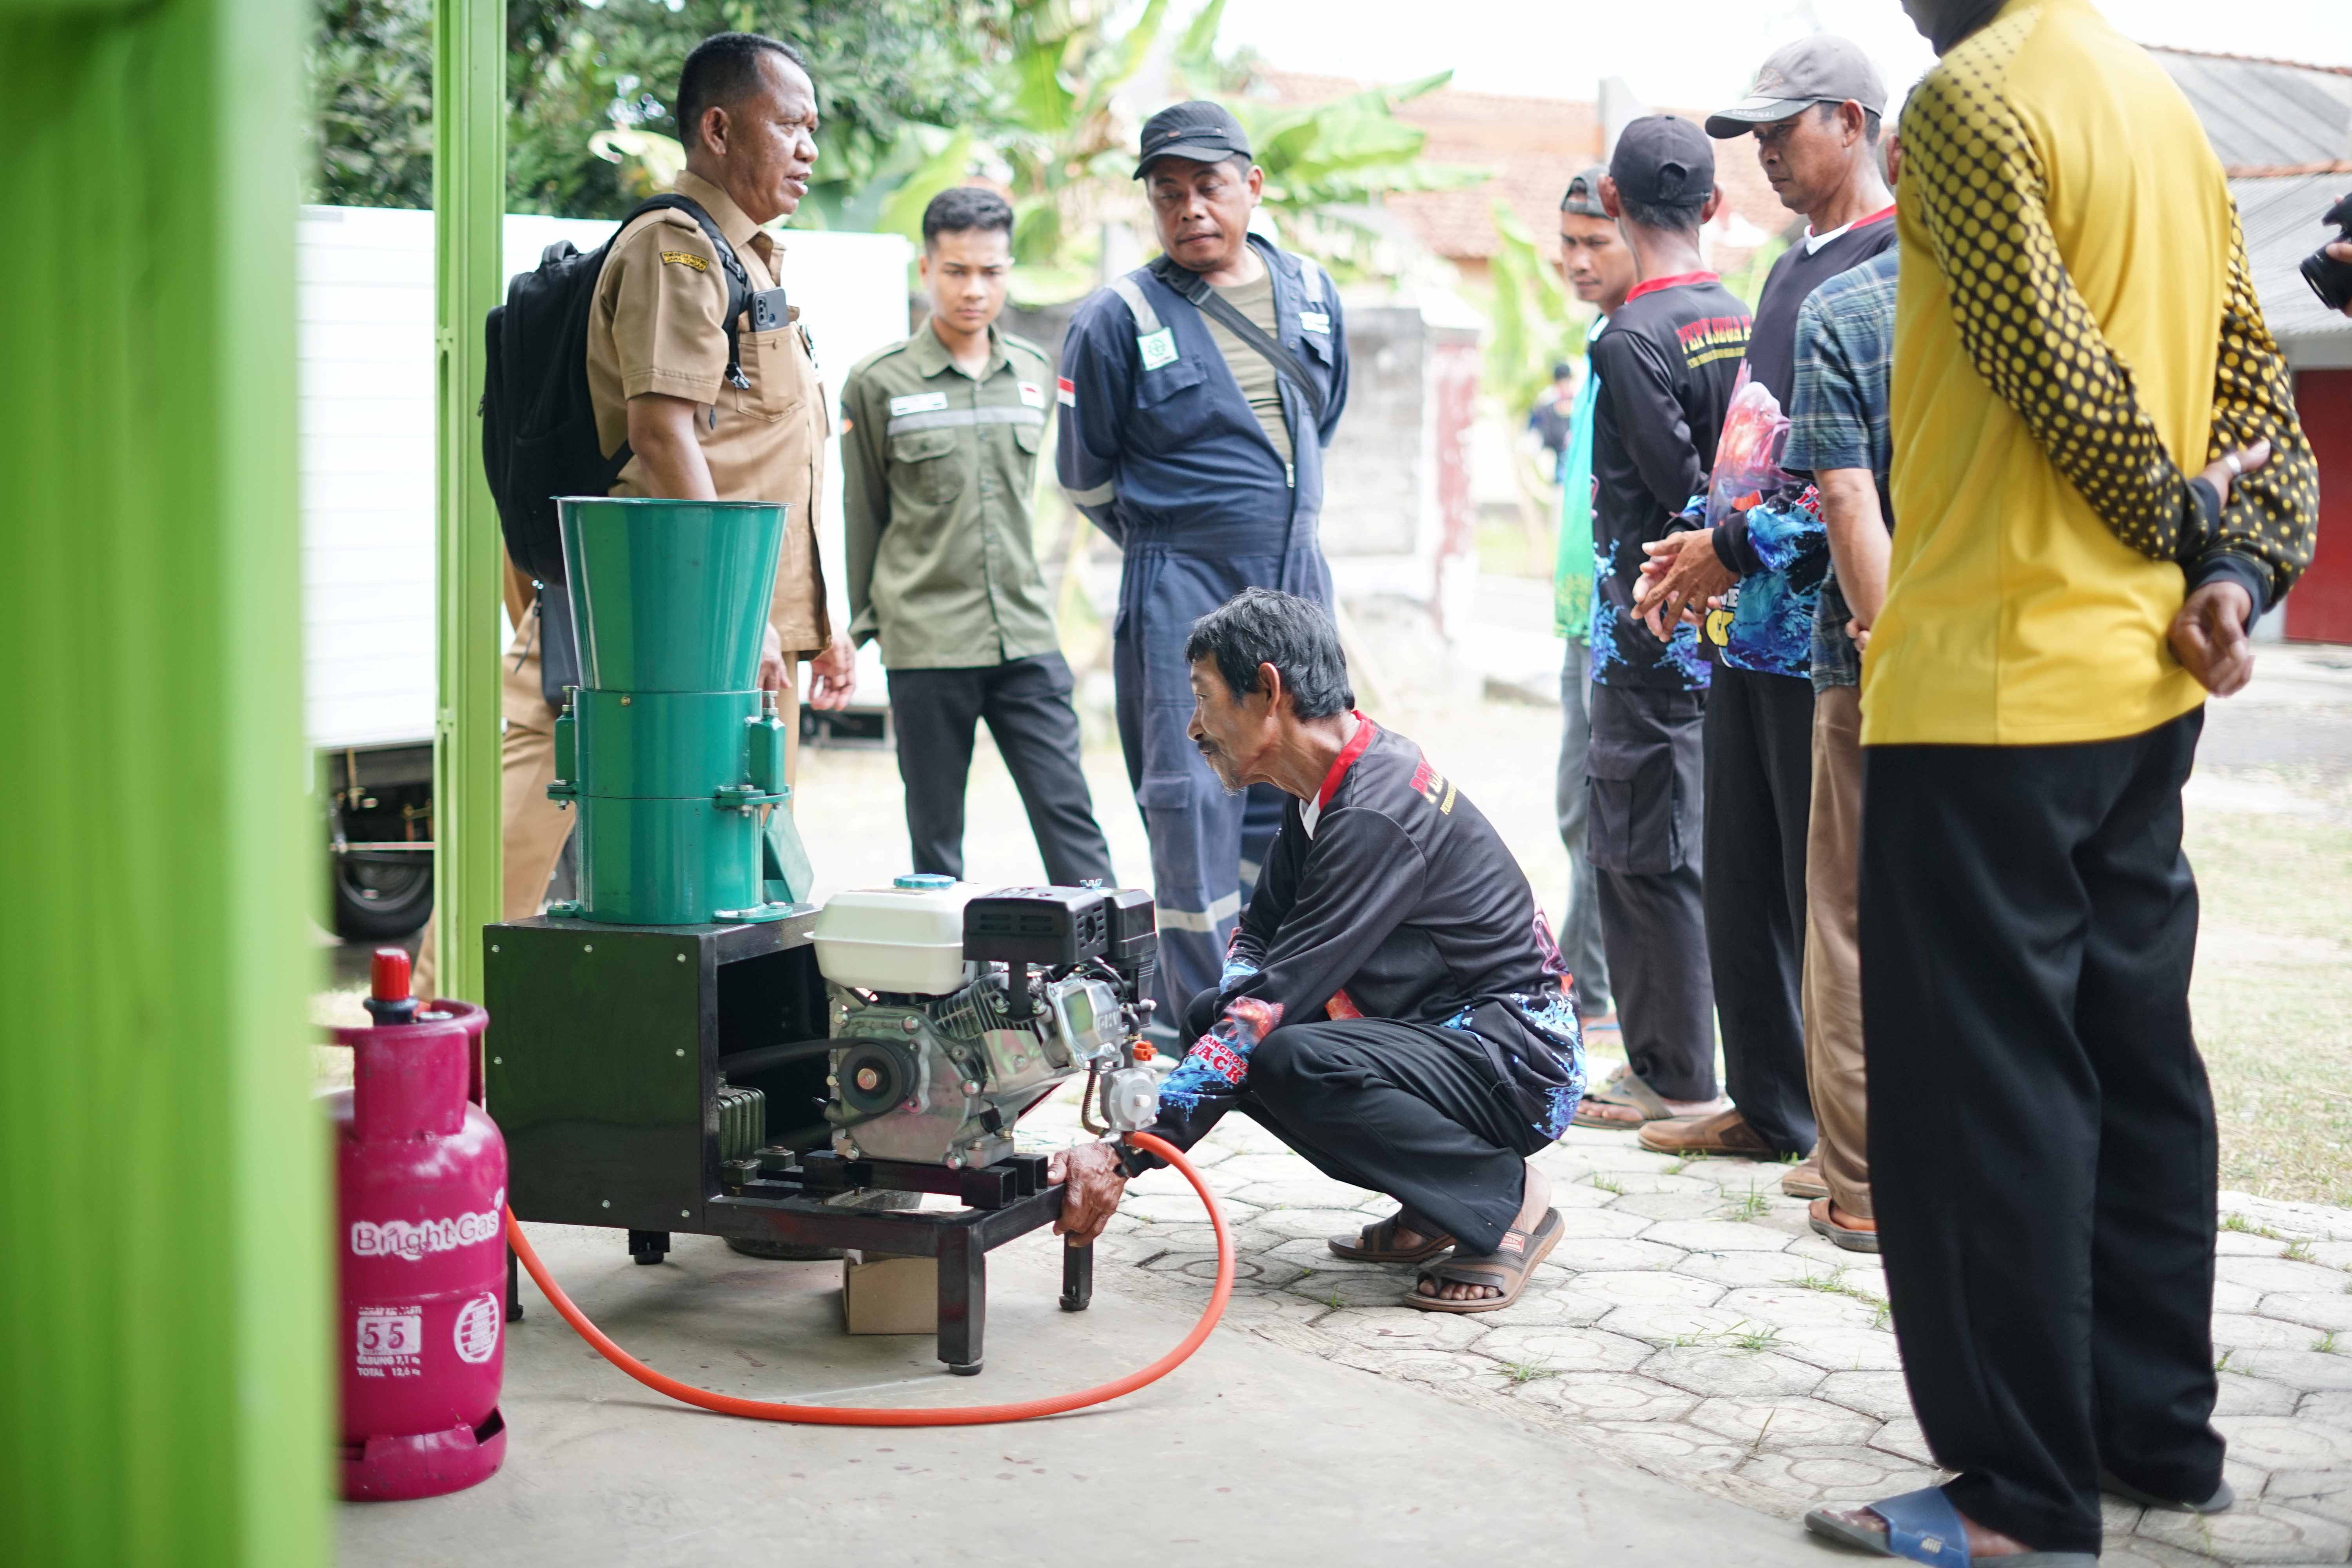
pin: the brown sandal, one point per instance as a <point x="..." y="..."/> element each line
<point x="1376" y="1243"/>
<point x="1506" y="1270"/>
<point x="1724" y="1132"/>
<point x="1823" y="1215"/>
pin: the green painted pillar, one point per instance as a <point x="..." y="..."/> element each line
<point x="164" y="1302"/>
<point x="469" y="214"/>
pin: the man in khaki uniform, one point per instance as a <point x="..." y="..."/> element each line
<point x="657" y="362"/>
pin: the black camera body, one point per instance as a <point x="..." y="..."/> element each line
<point x="2329" y="278"/>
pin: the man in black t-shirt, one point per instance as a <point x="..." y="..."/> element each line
<point x="1665" y="363"/>
<point x="1554" y="414"/>
<point x="1814" y="110"/>
<point x="1392" y="1005"/>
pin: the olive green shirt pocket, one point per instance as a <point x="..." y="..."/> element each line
<point x="930" y="464"/>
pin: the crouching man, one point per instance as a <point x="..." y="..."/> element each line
<point x="1392" y="1007"/>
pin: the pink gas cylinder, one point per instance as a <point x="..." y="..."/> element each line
<point x="420" y="1177"/>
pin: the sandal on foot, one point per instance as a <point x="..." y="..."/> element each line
<point x="1506" y="1270"/>
<point x="1804" y="1179"/>
<point x="1377" y="1243"/>
<point x="1924" y="1527"/>
<point x="1624" y="1090"/>
<point x="1724" y="1132"/>
<point x="2117" y="1485"/>
<point x="1854" y="1239"/>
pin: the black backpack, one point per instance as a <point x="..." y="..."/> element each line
<point x="538" y="428"/>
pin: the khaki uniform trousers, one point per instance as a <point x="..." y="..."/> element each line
<point x="535" y="827"/>
<point x="1833" y="977"/>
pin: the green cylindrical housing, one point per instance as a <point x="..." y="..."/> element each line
<point x="672" y="757"/>
<point x="670" y="596"/>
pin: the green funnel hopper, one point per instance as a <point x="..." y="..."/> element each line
<point x="673" y="755"/>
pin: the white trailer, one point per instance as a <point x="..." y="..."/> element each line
<point x="365" y="306"/>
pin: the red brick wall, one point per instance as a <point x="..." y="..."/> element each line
<point x="2320" y="608"/>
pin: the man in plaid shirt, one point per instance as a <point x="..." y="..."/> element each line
<point x="1838" y="432"/>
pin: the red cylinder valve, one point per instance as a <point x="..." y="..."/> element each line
<point x="420" y="1177"/>
<point x="388" y="1001"/>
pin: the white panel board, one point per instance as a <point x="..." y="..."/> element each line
<point x="364" y="311"/>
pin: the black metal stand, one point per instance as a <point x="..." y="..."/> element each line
<point x="785" y="1203"/>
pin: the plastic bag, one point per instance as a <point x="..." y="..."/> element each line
<point x="1747" y="453"/>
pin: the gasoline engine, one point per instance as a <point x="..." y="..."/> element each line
<point x="956" y="1010"/>
<point x="693" y="1045"/>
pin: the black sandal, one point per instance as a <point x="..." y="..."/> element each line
<point x="1376" y="1243"/>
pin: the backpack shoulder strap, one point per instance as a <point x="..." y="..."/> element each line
<point x="739" y="282"/>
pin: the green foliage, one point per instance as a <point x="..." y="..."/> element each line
<point x="578" y="68"/>
<point x="1327" y="165"/>
<point x="1533" y="323"/>
<point x="916" y="95"/>
<point x="370" y="132"/>
<point x="1067" y="158"/>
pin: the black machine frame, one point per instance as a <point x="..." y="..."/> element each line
<point x="603" y="1073"/>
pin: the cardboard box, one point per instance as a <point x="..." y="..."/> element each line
<point x="885" y="1295"/>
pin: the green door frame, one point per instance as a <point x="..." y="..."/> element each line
<point x="166" y="1309"/>
<point x="469" y="278"/>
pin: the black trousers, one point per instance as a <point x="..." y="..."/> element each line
<point x="2041" y="1140"/>
<point x="1026" y="702"/>
<point x="1409" y="1109"/>
<point x="1644" y="807"/>
<point x="1759" y="797"/>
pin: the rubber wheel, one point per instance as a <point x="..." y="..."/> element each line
<point x="376" y="900"/>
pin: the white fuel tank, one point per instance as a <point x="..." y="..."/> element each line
<point x="907" y="938"/>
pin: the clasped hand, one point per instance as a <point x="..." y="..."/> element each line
<point x="2208" y="635"/>
<point x="1681" y="581"/>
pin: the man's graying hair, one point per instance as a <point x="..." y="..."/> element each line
<point x="1827" y="109"/>
<point x="1265" y="626"/>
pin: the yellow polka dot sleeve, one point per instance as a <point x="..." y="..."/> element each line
<point x="1977" y="183"/>
<point x="2273" y="517"/>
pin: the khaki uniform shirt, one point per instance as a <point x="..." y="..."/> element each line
<point x="939" y="468"/>
<point x="658" y="325"/>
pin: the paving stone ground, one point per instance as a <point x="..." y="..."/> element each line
<point x="1690" y="1322"/>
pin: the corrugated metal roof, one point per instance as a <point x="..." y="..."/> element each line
<point x="2282" y="220"/>
<point x="2266" y="113"/>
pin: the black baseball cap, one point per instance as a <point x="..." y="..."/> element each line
<point x="1662" y="161"/>
<point x="1583" y="196"/>
<point x="1822" y="68"/>
<point x="1204" y="131"/>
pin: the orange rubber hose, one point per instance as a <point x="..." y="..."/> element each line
<point x="949" y="1416"/>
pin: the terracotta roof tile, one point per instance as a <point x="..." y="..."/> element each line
<point x="1531" y="145"/>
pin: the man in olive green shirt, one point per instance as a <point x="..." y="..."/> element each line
<point x="940" y="439"/>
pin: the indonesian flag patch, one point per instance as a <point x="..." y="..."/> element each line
<point x="1063" y="392"/>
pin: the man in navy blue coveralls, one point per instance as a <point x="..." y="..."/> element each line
<point x="1200" y="454"/>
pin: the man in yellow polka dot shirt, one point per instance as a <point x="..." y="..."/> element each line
<point x="2075" y="336"/>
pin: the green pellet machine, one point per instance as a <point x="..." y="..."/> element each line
<point x="692" y="1046"/>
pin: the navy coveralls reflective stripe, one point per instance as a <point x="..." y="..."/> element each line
<point x="1161" y="450"/>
